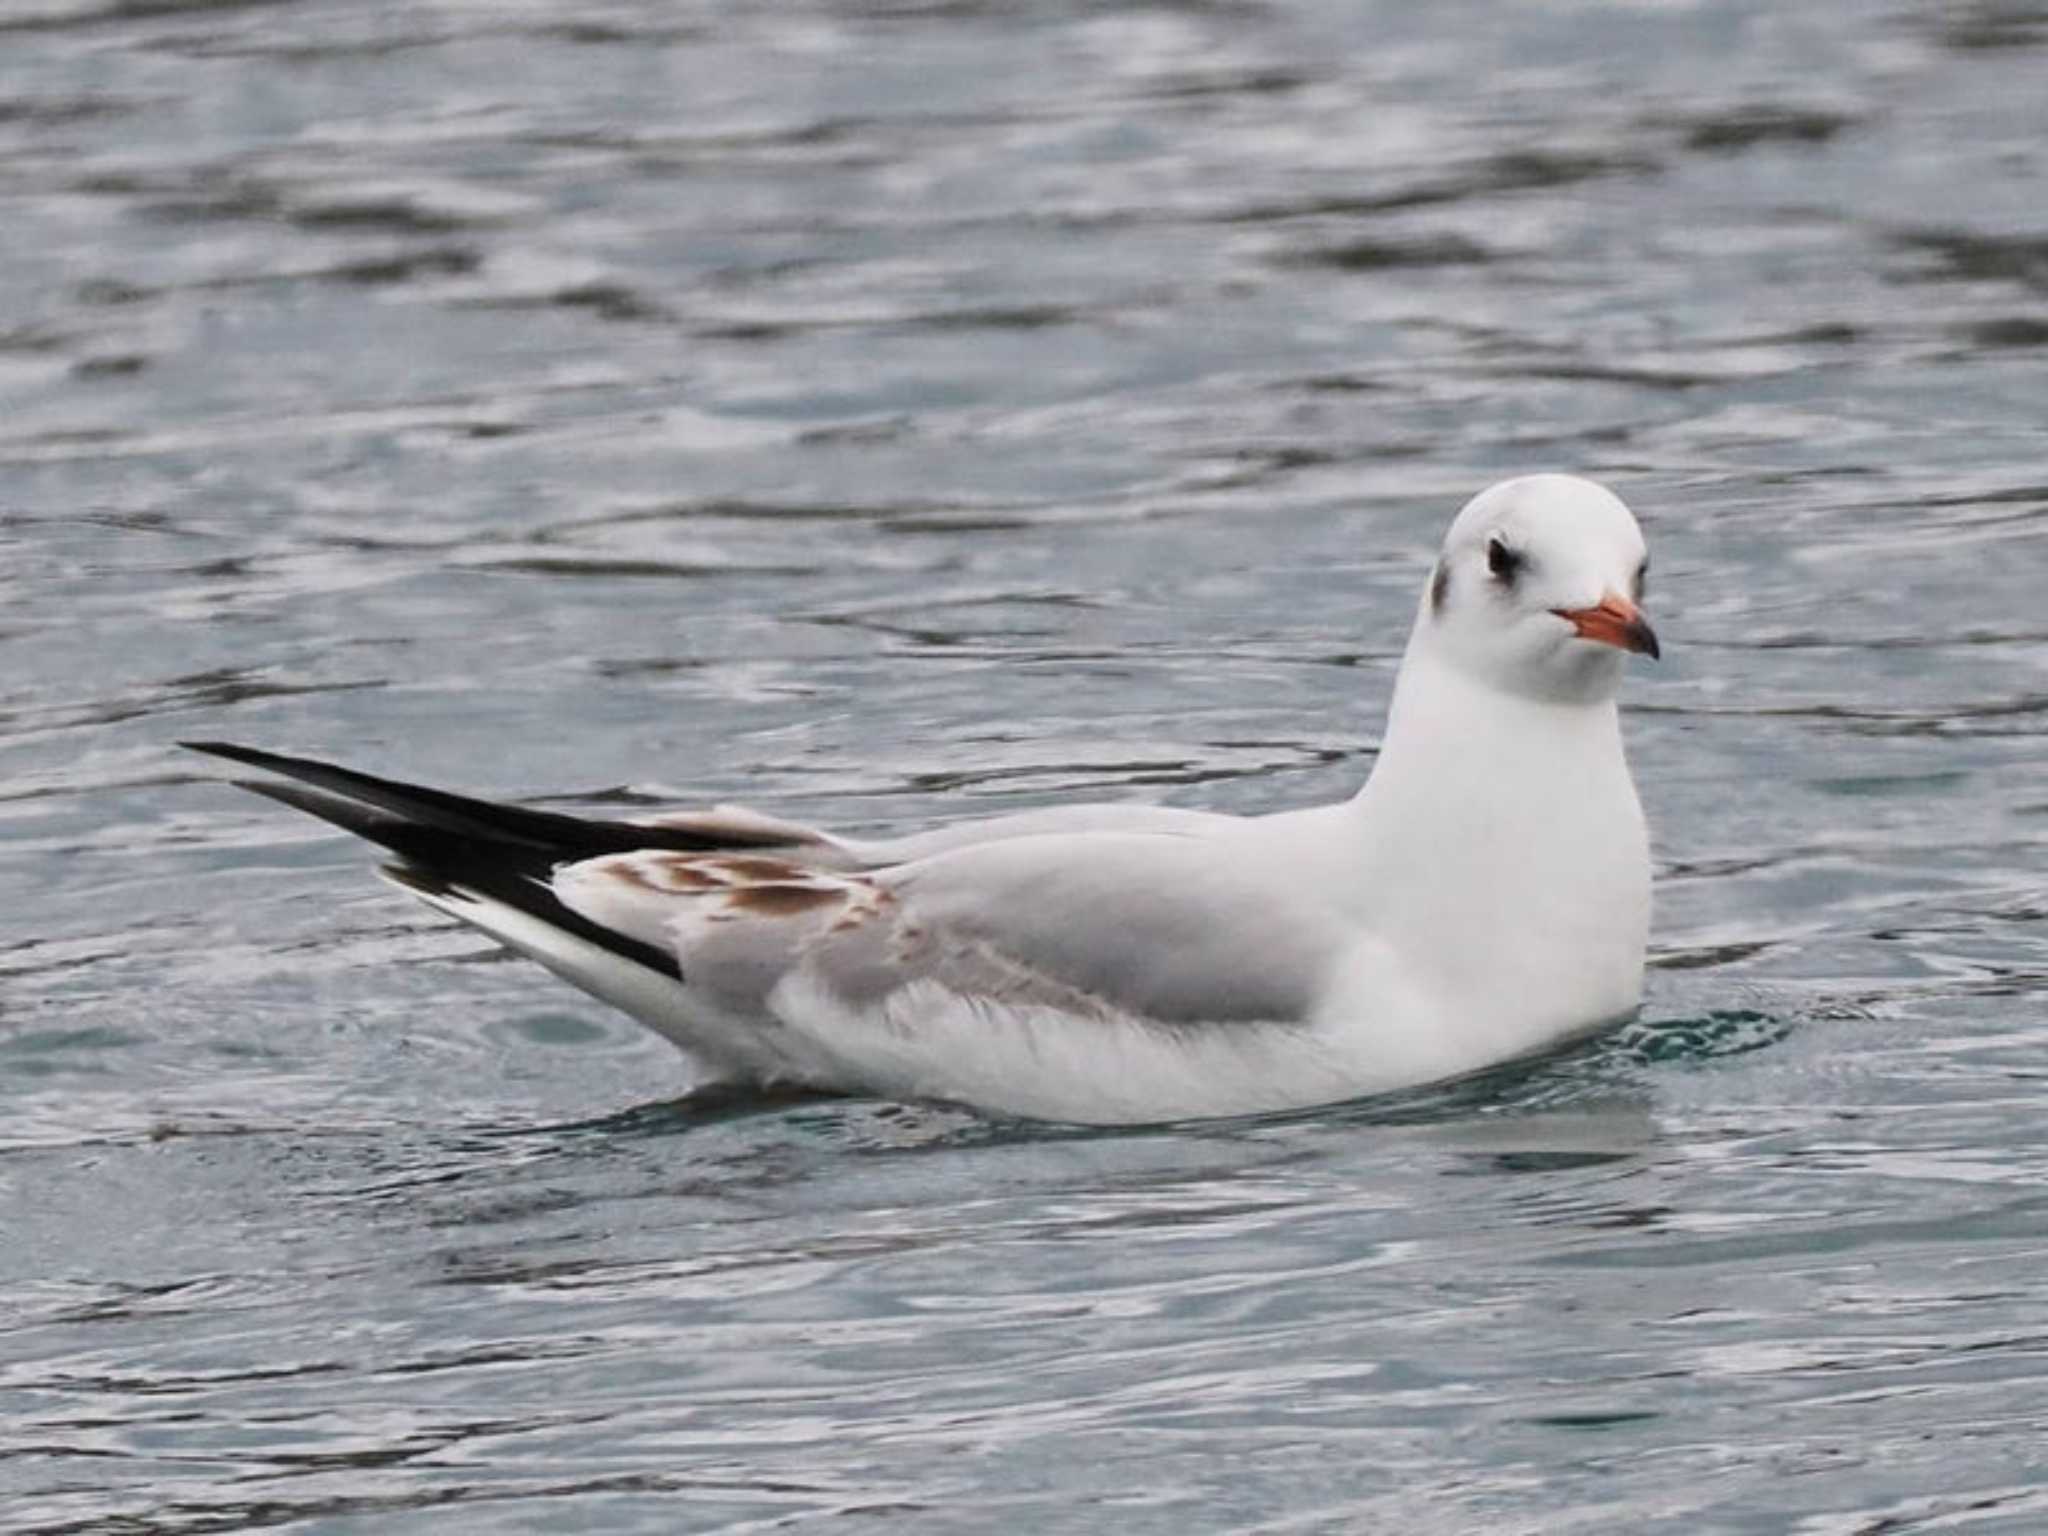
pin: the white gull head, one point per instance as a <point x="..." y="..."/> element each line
<point x="1536" y="591"/>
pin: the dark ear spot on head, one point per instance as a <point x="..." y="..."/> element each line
<point x="1502" y="560"/>
<point x="1439" y="584"/>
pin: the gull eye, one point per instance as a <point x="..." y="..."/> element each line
<point x="1502" y="562"/>
<point x="1642" y="578"/>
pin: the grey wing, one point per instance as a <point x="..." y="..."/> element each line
<point x="1157" y="927"/>
<point x="1046" y="822"/>
<point x="1167" y="928"/>
<point x="1094" y="976"/>
<point x="739" y="827"/>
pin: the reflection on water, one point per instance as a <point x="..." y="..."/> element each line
<point x="886" y="413"/>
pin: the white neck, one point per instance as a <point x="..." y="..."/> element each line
<point x="1443" y="718"/>
<point x="1502" y="845"/>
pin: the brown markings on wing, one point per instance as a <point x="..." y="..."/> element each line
<point x="667" y="873"/>
<point x="685" y="873"/>
<point x="628" y="872"/>
<point x="743" y="885"/>
<point x="869" y="903"/>
<point x="780" y="898"/>
<point x="753" y="869"/>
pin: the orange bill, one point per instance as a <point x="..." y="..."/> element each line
<point x="1616" y="621"/>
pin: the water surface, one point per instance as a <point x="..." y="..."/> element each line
<point x="884" y="413"/>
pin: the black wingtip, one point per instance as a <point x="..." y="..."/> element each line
<point x="562" y="836"/>
<point x="380" y="827"/>
<point x="486" y="820"/>
<point x="254" y="757"/>
<point x="449" y="863"/>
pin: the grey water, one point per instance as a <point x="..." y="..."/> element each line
<point x="884" y="412"/>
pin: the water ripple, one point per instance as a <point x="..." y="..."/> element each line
<point x="895" y="411"/>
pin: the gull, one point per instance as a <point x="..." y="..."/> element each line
<point x="1484" y="896"/>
